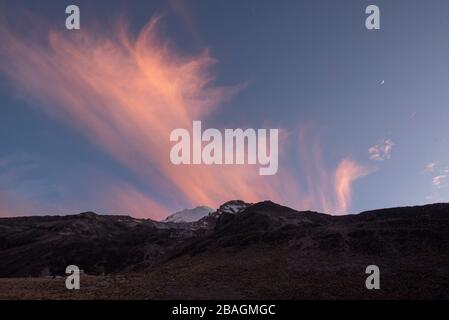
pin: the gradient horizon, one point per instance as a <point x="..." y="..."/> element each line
<point x="85" y="115"/>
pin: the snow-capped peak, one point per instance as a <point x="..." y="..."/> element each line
<point x="190" y="215"/>
<point x="234" y="207"/>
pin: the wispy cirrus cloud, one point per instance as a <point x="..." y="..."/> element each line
<point x="382" y="150"/>
<point x="346" y="174"/>
<point x="439" y="174"/>
<point x="438" y="181"/>
<point x="430" y="167"/>
<point x="328" y="189"/>
<point x="126" y="94"/>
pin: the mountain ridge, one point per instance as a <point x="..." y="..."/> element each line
<point x="189" y="215"/>
<point x="274" y="250"/>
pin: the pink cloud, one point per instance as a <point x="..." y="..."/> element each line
<point x="125" y="94"/>
<point x="382" y="150"/>
<point x="438" y="181"/>
<point x="328" y="190"/>
<point x="430" y="167"/>
<point x="346" y="173"/>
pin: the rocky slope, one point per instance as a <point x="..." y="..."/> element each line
<point x="44" y="246"/>
<point x="263" y="251"/>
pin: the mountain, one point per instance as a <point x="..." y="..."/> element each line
<point x="42" y="246"/>
<point x="189" y="215"/>
<point x="260" y="251"/>
<point x="233" y="207"/>
<point x="269" y="251"/>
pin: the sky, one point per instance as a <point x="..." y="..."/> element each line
<point x="85" y="115"/>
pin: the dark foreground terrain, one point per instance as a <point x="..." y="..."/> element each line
<point x="261" y="251"/>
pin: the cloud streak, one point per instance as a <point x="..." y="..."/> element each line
<point x="346" y="174"/>
<point x="126" y="94"/>
<point x="438" y="181"/>
<point x="381" y="151"/>
<point x="329" y="190"/>
<point x="430" y="167"/>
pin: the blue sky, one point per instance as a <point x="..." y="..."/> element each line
<point x="307" y="67"/>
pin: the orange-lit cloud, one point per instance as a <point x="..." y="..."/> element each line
<point x="126" y="94"/>
<point x="327" y="190"/>
<point x="346" y="173"/>
<point x="125" y="199"/>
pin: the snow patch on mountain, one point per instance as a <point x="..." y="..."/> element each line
<point x="233" y="207"/>
<point x="189" y="215"/>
